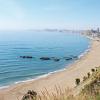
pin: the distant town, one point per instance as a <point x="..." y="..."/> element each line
<point x="92" y="32"/>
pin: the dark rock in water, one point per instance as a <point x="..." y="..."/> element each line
<point x="71" y="57"/>
<point x="52" y="57"/>
<point x="45" y="58"/>
<point x="56" y="59"/>
<point x="68" y="58"/>
<point x="26" y="57"/>
<point x="22" y="56"/>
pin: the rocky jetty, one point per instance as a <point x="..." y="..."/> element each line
<point x="56" y="59"/>
<point x="45" y="58"/>
<point x="68" y="58"/>
<point x="71" y="57"/>
<point x="30" y="57"/>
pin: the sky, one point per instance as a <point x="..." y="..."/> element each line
<point x="41" y="14"/>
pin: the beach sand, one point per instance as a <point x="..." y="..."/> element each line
<point x="64" y="79"/>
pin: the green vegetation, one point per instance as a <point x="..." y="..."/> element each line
<point x="93" y="70"/>
<point x="77" y="81"/>
<point x="30" y="95"/>
<point x="91" y="90"/>
<point x="84" y="78"/>
<point x="88" y="74"/>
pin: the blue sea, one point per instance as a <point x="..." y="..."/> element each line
<point x="13" y="44"/>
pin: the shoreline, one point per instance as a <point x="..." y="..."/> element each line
<point x="50" y="73"/>
<point x="64" y="78"/>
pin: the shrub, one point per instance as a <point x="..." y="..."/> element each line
<point x="30" y="95"/>
<point x="93" y="70"/>
<point x="77" y="81"/>
<point x="88" y="74"/>
<point x="84" y="78"/>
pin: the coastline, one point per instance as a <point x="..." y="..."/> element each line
<point x="64" y="78"/>
<point x="52" y="72"/>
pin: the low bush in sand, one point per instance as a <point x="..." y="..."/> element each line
<point x="93" y="70"/>
<point x="85" y="78"/>
<point x="88" y="74"/>
<point x="30" y="95"/>
<point x="77" y="81"/>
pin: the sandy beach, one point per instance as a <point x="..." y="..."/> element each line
<point x="64" y="79"/>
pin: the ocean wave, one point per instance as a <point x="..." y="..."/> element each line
<point x="32" y="79"/>
<point x="4" y="87"/>
<point x="85" y="52"/>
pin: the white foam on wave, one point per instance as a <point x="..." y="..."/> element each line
<point x="39" y="77"/>
<point x="85" y="52"/>
<point x="4" y="87"/>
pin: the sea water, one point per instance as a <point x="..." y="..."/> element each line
<point x="14" y="69"/>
